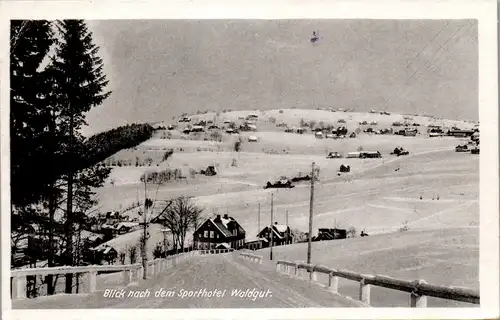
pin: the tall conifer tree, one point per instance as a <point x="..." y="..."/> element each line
<point x="79" y="85"/>
<point x="30" y="45"/>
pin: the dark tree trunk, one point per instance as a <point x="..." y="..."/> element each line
<point x="69" y="212"/>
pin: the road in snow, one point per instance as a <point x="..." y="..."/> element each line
<point x="217" y="272"/>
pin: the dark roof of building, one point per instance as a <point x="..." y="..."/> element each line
<point x="221" y="223"/>
<point x="222" y="227"/>
<point x="279" y="230"/>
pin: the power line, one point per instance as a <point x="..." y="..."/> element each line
<point x="428" y="44"/>
<point x="437" y="65"/>
<point x="435" y="62"/>
<point x="434" y="57"/>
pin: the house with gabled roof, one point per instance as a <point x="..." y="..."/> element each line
<point x="219" y="233"/>
<point x="282" y="234"/>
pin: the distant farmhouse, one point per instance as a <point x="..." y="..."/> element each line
<point x="364" y="154"/>
<point x="282" y="234"/>
<point x="330" y="234"/>
<point x="460" y="133"/>
<point x="219" y="233"/>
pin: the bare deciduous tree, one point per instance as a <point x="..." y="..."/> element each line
<point x="180" y="216"/>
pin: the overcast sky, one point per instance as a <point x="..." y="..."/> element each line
<point x="161" y="68"/>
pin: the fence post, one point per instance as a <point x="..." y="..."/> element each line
<point x="151" y="269"/>
<point x="20" y="287"/>
<point x="333" y="283"/>
<point x="417" y="300"/>
<point x="127" y="275"/>
<point x="277" y="267"/>
<point x="301" y="273"/>
<point x="92" y="282"/>
<point x="364" y="291"/>
<point x="313" y="275"/>
<point x="140" y="273"/>
<point x="135" y="275"/>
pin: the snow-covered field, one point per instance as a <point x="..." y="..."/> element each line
<point x="447" y="256"/>
<point x="378" y="196"/>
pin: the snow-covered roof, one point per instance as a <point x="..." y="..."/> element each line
<point x="253" y="138"/>
<point x="126" y="224"/>
<point x="107" y="250"/>
<point x="224" y="244"/>
<point x="281" y="227"/>
<point x="225" y="221"/>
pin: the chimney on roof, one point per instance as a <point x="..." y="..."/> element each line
<point x="275" y="222"/>
<point x="218" y="217"/>
<point x="226" y="216"/>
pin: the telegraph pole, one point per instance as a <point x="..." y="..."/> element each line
<point x="258" y="223"/>
<point x="271" y="230"/>
<point x="145" y="234"/>
<point x="311" y="200"/>
<point x="286" y="218"/>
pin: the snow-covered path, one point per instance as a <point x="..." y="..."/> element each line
<point x="226" y="273"/>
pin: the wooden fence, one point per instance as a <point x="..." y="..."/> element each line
<point x="252" y="257"/>
<point x="132" y="273"/>
<point x="419" y="290"/>
<point x="215" y="251"/>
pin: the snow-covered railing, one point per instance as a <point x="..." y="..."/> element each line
<point x="419" y="290"/>
<point x="215" y="251"/>
<point x="252" y="257"/>
<point x="132" y="273"/>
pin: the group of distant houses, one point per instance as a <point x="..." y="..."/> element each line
<point x="219" y="232"/>
<point x="224" y="232"/>
<point x="91" y="244"/>
<point x="249" y="124"/>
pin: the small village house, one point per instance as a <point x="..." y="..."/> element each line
<point x="197" y="129"/>
<point x="218" y="233"/>
<point x="282" y="234"/>
<point x="256" y="244"/>
<point x="125" y="227"/>
<point x="104" y="253"/>
<point x="460" y="133"/>
<point x="110" y="217"/>
<point x="354" y="155"/>
<point x="330" y="234"/>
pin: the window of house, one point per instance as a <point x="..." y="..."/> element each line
<point x="211" y="234"/>
<point x="205" y="234"/>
